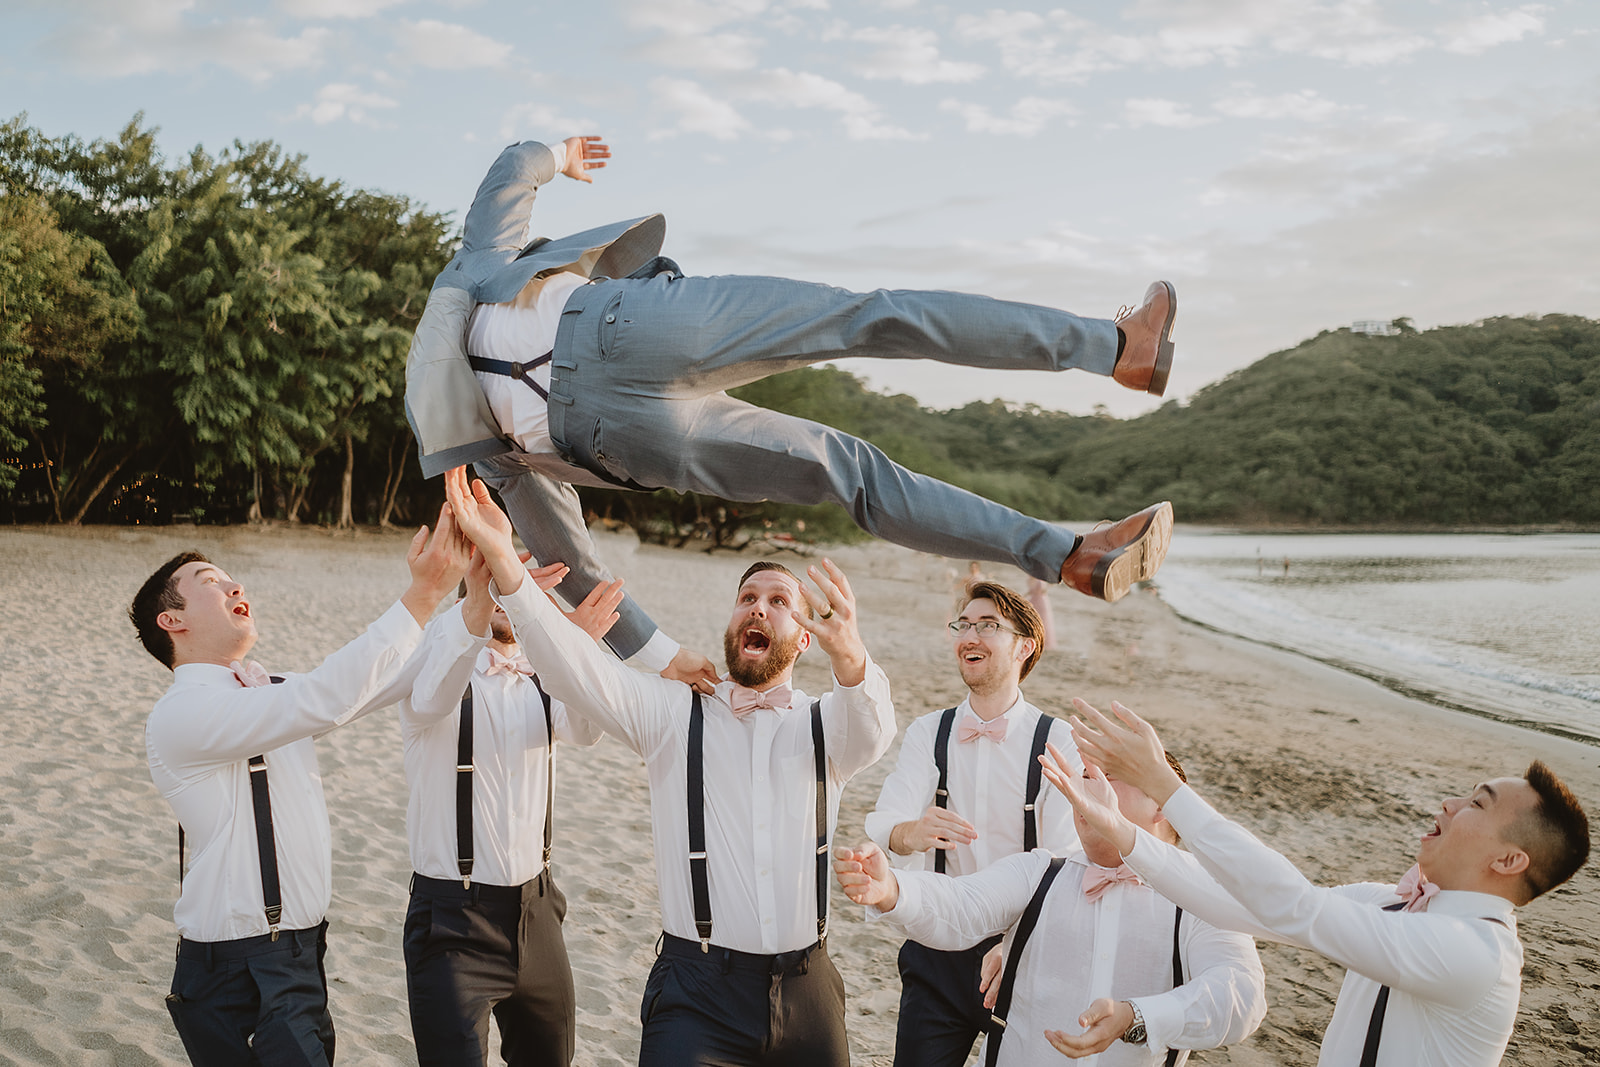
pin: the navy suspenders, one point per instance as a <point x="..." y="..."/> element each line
<point x="1025" y="925"/>
<point x="464" y="773"/>
<point x="1030" y="801"/>
<point x="699" y="879"/>
<point x="266" y="844"/>
<point x="1369" y="1050"/>
<point x="1008" y="980"/>
<point x="941" y="759"/>
<point x="519" y="371"/>
<point x="1030" y="824"/>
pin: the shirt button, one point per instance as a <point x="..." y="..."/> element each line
<point x="611" y="318"/>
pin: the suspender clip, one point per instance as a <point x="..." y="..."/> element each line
<point x="274" y="914"/>
<point x="942" y="792"/>
<point x="1027" y="807"/>
<point x="547" y="855"/>
<point x="997" y="1021"/>
<point x="464" y="768"/>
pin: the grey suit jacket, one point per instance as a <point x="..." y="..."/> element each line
<point x="444" y="403"/>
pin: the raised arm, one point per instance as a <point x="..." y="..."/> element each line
<point x="858" y="715"/>
<point x="935" y="909"/>
<point x="634" y="707"/>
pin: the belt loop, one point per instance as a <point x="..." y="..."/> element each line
<point x="211" y="955"/>
<point x="727" y="960"/>
<point x="294" y="941"/>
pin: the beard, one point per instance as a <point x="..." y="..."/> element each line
<point x="760" y="673"/>
<point x="500" y="630"/>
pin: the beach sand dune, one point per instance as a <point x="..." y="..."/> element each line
<point x="1338" y="773"/>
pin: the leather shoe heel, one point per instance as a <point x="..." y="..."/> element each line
<point x="1110" y="560"/>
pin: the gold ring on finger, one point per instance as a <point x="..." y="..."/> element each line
<point x="826" y="614"/>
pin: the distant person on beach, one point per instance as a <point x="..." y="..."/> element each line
<point x="1039" y="596"/>
<point x="964" y="795"/>
<point x="591" y="360"/>
<point x="1434" y="964"/>
<point x="1083" y="935"/>
<point x="744" y="794"/>
<point x="230" y="747"/>
<point x="483" y="927"/>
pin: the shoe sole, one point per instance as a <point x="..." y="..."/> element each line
<point x="1164" y="346"/>
<point x="1136" y="561"/>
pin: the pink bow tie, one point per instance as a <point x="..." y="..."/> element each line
<point x="973" y="728"/>
<point x="250" y="675"/>
<point x="517" y="664"/>
<point x="1415" y="890"/>
<point x="743" y="700"/>
<point x="1096" y="880"/>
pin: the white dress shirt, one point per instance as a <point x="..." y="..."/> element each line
<point x="1455" y="977"/>
<point x="509" y="758"/>
<point x="1118" y="946"/>
<point x="760" y="777"/>
<point x="987" y="781"/>
<point x="199" y="739"/>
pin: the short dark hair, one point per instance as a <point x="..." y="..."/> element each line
<point x="1554" y="832"/>
<point x="1015" y="609"/>
<point x="159" y="593"/>
<point x="767" y="565"/>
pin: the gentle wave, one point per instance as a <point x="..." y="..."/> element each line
<point x="1431" y="616"/>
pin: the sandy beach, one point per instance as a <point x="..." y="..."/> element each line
<point x="1336" y="772"/>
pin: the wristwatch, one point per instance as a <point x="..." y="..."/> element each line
<point x="1135" y="1033"/>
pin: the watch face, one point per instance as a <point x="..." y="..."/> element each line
<point x="1135" y="1034"/>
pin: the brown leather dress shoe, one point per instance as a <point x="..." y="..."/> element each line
<point x="1146" y="358"/>
<point x="1109" y="560"/>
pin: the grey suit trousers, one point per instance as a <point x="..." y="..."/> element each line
<point x="641" y="366"/>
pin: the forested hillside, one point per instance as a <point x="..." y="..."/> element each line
<point x="222" y="338"/>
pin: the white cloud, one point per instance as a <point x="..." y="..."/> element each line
<point x="690" y="16"/>
<point x="111" y="39"/>
<point x="1342" y="163"/>
<point x="448" y="46"/>
<point x="341" y="100"/>
<point x="696" y="110"/>
<point x="1028" y="116"/>
<point x="1154" y="111"/>
<point x="689" y="34"/>
<point x="910" y="55"/>
<point x="541" y="122"/>
<point x="334" y="9"/>
<point x="1496" y="28"/>
<point x="1305" y="105"/>
<point x="862" y="119"/>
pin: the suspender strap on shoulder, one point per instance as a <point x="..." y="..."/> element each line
<point x="819" y="749"/>
<point x="519" y="371"/>
<point x="549" y="771"/>
<point x="464" y="791"/>
<point x="1030" y="802"/>
<point x="1369" y="1050"/>
<point x="941" y="760"/>
<point x="699" y="881"/>
<point x="1177" y="973"/>
<point x="1008" y="979"/>
<point x="266" y="846"/>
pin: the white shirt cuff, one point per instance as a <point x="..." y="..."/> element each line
<point x="1163" y="1021"/>
<point x="657" y="653"/>
<point x="559" y="150"/>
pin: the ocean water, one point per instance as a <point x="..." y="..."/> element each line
<point x="1502" y="625"/>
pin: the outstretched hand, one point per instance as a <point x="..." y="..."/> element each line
<point x="866" y="877"/>
<point x="834" y="625"/>
<point x="598" y="611"/>
<point x="584" y="154"/>
<point x="437" y="565"/>
<point x="938" y="828"/>
<point x="1128" y="751"/>
<point x="1104" y="1022"/>
<point x="476" y="513"/>
<point x="1091" y="796"/>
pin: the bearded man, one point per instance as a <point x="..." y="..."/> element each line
<point x="741" y="855"/>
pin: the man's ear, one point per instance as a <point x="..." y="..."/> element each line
<point x="1026" y="648"/>
<point x="1512" y="861"/>
<point x="171" y="623"/>
<point x="805" y="641"/>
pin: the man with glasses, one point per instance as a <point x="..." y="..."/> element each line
<point x="965" y="794"/>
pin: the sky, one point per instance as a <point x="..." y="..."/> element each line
<point x="1290" y="165"/>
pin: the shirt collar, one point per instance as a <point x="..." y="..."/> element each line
<point x="204" y="674"/>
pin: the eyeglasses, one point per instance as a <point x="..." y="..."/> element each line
<point x="983" y="628"/>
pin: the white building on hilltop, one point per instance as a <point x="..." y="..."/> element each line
<point x="1374" y="328"/>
